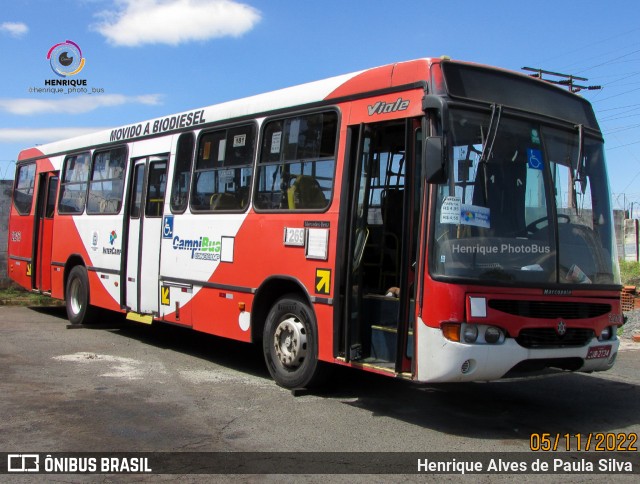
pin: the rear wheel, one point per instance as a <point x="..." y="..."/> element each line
<point x="77" y="296"/>
<point x="290" y="343"/>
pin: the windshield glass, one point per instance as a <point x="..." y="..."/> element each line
<point x="525" y="211"/>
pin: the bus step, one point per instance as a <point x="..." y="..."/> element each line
<point x="140" y="318"/>
<point x="384" y="343"/>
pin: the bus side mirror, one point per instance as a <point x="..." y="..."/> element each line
<point x="434" y="160"/>
<point x="434" y="155"/>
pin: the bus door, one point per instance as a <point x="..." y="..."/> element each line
<point x="144" y="218"/>
<point x="382" y="239"/>
<point x="45" y="207"/>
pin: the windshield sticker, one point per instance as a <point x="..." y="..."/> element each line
<point x="535" y="137"/>
<point x="239" y="140"/>
<point x="450" y="210"/>
<point x="476" y="216"/>
<point x="534" y="159"/>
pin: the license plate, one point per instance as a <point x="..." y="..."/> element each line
<point x="599" y="352"/>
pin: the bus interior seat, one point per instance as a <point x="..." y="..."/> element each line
<point x="391" y="205"/>
<point x="581" y="248"/>
<point x="306" y="193"/>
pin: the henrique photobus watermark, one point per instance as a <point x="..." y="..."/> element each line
<point x="66" y="61"/>
<point x="504" y="248"/>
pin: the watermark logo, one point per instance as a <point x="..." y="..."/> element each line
<point x="23" y="463"/>
<point x="66" y="58"/>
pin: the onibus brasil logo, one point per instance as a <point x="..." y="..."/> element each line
<point x="66" y="58"/>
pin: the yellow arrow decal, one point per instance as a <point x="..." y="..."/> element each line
<point x="165" y="300"/>
<point x="323" y="281"/>
<point x="28" y="268"/>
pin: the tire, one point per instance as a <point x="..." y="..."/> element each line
<point x="76" y="296"/>
<point x="290" y="343"/>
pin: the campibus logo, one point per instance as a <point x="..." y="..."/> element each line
<point x="66" y="58"/>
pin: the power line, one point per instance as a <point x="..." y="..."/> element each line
<point x="619" y="107"/>
<point x="592" y="44"/>
<point x="622" y="146"/>
<point x="616" y="95"/>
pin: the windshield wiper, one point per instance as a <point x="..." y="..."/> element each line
<point x="578" y="173"/>
<point x="492" y="133"/>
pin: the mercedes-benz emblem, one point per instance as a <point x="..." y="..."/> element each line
<point x="561" y="329"/>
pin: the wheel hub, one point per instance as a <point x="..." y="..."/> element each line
<point x="74" y="292"/>
<point x="290" y="342"/>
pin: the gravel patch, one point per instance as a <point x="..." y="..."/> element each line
<point x="632" y="325"/>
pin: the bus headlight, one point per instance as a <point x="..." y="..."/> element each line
<point x="606" y="334"/>
<point x="492" y="335"/>
<point x="470" y="333"/>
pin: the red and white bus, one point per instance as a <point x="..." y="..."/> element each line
<point x="431" y="220"/>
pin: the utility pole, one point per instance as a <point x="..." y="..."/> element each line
<point x="567" y="80"/>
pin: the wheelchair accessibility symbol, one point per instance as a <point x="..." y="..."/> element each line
<point x="534" y="159"/>
<point x="167" y="227"/>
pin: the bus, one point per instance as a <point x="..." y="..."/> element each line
<point x="430" y="220"/>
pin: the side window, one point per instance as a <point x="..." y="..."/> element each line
<point x="182" y="173"/>
<point x="73" y="186"/>
<point x="222" y="175"/>
<point x="297" y="163"/>
<point x="107" y="181"/>
<point x="23" y="192"/>
<point x="156" y="187"/>
<point x="52" y="191"/>
<point x="138" y="185"/>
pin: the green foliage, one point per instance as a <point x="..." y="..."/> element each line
<point x="16" y="296"/>
<point x="630" y="273"/>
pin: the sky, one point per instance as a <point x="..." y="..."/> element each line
<point x="150" y="58"/>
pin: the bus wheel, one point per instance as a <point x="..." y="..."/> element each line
<point x="77" y="296"/>
<point x="290" y="343"/>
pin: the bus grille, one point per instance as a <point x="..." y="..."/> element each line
<point x="548" y="338"/>
<point x="549" y="309"/>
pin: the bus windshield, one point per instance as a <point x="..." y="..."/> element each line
<point x="520" y="206"/>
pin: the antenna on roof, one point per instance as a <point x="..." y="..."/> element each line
<point x="566" y="79"/>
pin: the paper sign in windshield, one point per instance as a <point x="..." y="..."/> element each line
<point x="453" y="211"/>
<point x="450" y="210"/>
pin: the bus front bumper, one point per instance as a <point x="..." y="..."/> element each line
<point x="442" y="360"/>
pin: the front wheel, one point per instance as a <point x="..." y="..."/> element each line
<point x="77" y="296"/>
<point x="290" y="343"/>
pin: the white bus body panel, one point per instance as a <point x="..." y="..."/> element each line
<point x="441" y="360"/>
